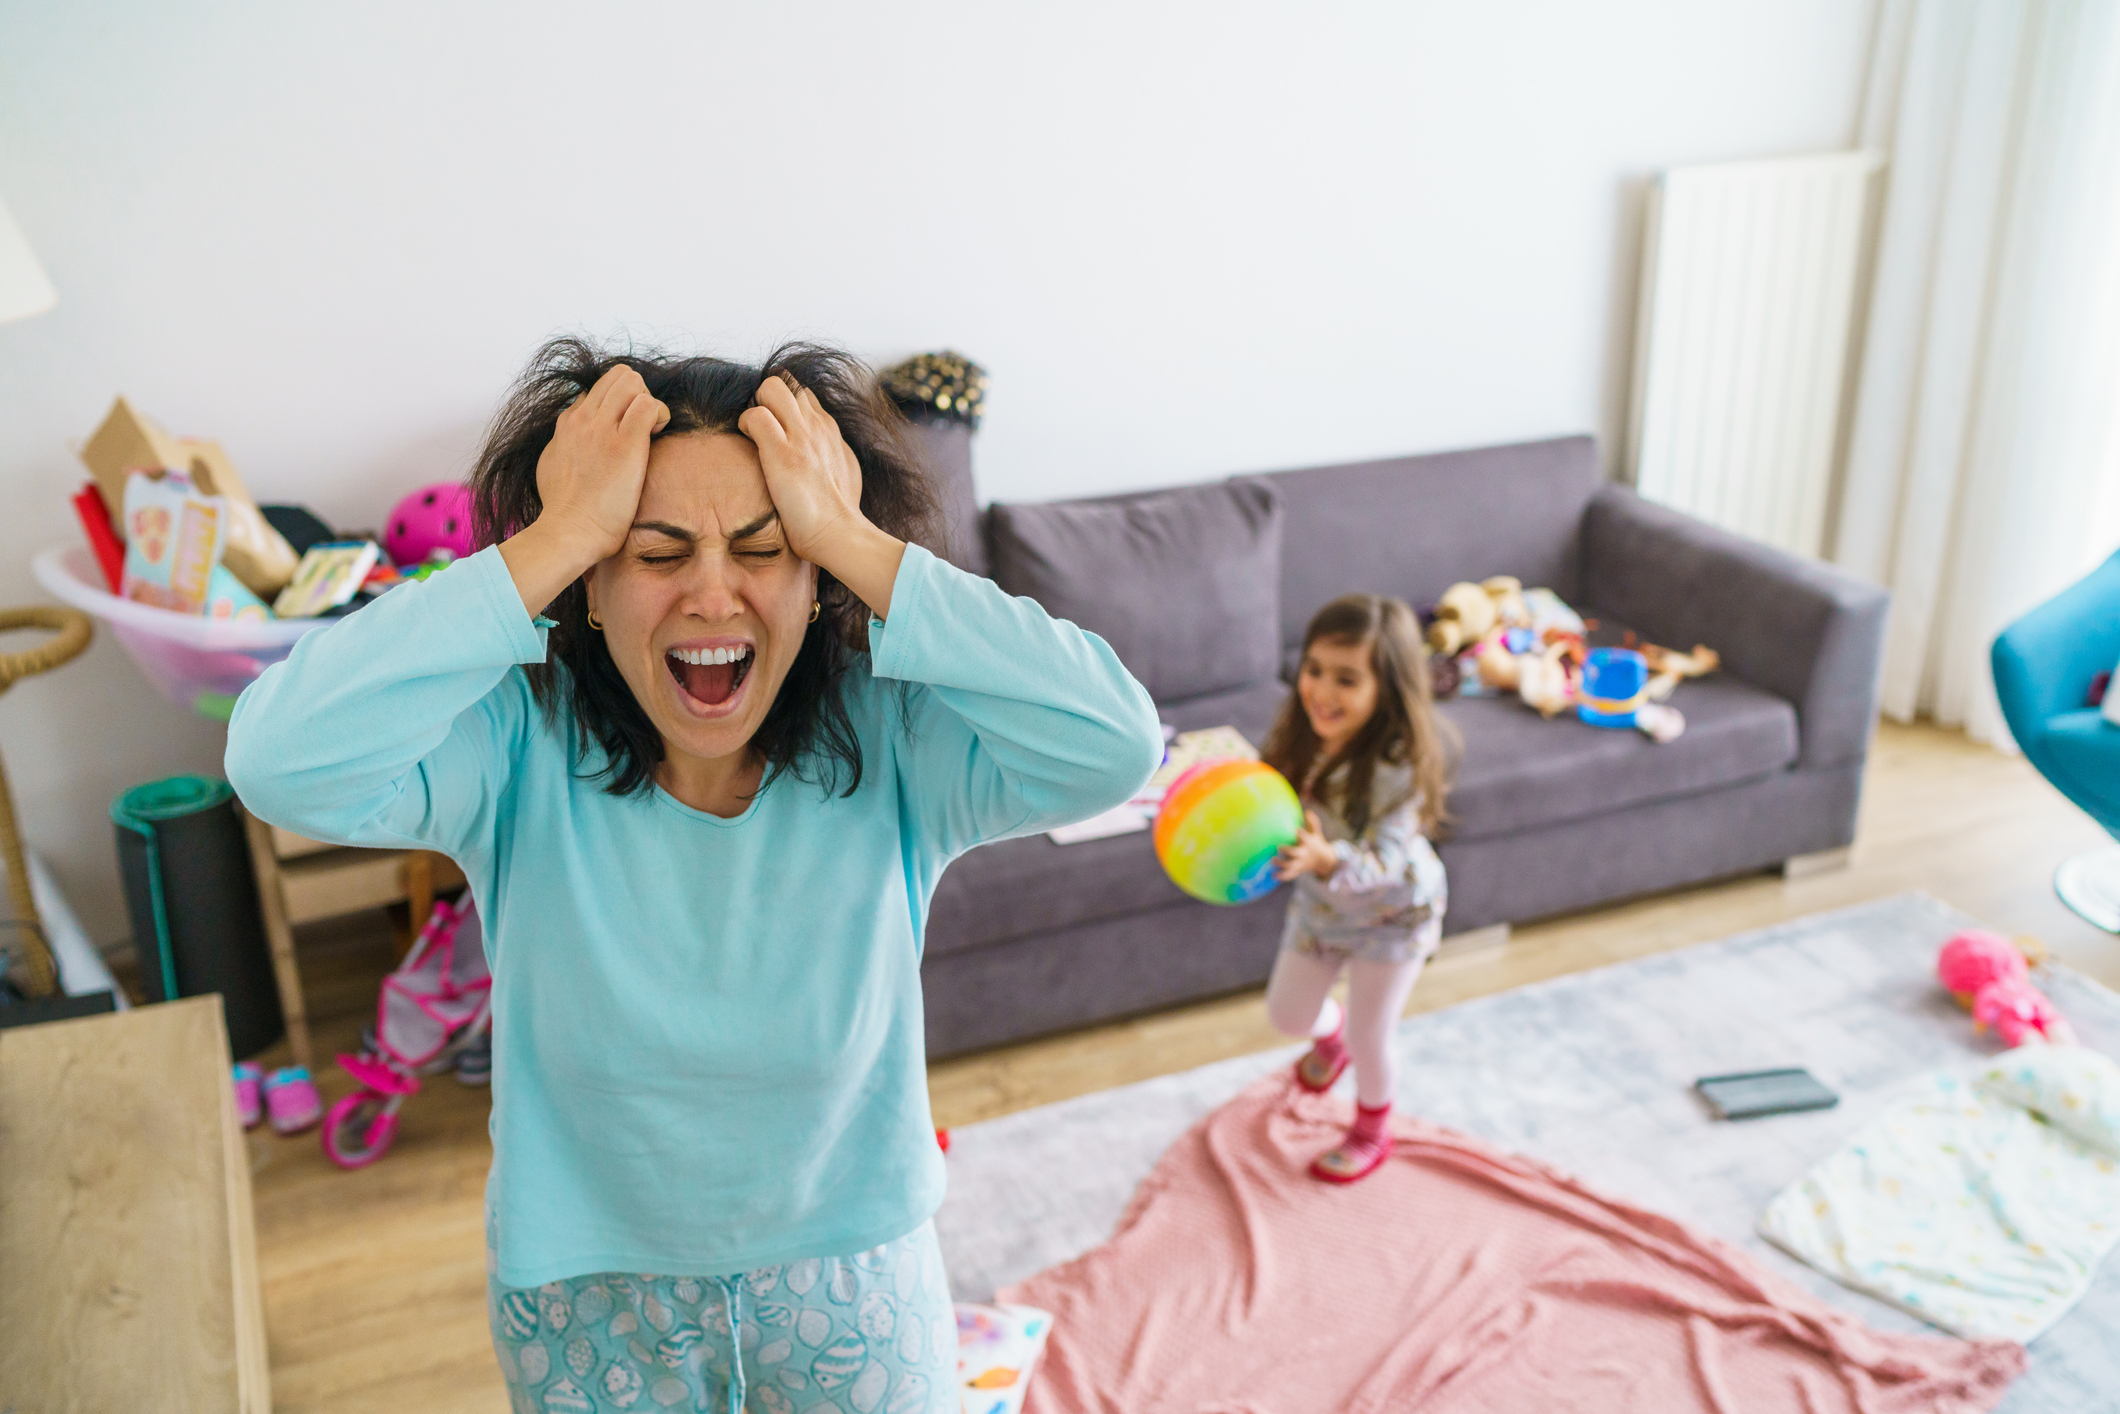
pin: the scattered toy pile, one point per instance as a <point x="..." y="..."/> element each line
<point x="1497" y="637"/>
<point x="189" y="538"/>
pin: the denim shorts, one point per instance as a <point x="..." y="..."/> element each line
<point x="873" y="1333"/>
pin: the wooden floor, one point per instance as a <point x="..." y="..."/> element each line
<point x="374" y="1281"/>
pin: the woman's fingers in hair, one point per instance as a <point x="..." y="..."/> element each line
<point x="759" y="423"/>
<point x="613" y="392"/>
<point x="778" y="394"/>
<point x="645" y="412"/>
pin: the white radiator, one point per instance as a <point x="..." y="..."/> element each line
<point x="1747" y="292"/>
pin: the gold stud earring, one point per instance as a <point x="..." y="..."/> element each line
<point x="816" y="608"/>
<point x="595" y="622"/>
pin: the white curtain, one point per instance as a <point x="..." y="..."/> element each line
<point x="1983" y="470"/>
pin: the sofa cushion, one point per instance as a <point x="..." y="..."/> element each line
<point x="945" y="448"/>
<point x="1184" y="584"/>
<point x="1032" y="885"/>
<point x="1413" y="526"/>
<point x="1250" y="709"/>
<point x="1521" y="771"/>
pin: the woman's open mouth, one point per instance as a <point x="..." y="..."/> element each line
<point x="710" y="676"/>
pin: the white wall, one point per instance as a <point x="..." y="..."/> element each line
<point x="1187" y="240"/>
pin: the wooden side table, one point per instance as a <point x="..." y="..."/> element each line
<point x="302" y="880"/>
<point x="125" y="1221"/>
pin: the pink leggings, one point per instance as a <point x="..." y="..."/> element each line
<point x="1299" y="1002"/>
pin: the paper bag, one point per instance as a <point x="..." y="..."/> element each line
<point x="255" y="553"/>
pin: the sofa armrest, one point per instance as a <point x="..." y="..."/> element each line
<point x="1802" y="629"/>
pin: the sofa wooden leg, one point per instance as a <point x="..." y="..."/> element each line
<point x="1825" y="861"/>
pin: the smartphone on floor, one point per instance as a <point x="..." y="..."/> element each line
<point x="1754" y="1093"/>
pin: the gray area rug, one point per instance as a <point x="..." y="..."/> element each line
<point x="1592" y="1073"/>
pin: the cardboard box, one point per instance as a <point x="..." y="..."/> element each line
<point x="256" y="554"/>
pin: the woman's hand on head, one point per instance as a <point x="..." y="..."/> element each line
<point x="811" y="473"/>
<point x="814" y="479"/>
<point x="588" y="483"/>
<point x="590" y="474"/>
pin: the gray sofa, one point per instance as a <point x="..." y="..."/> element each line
<point x="1027" y="936"/>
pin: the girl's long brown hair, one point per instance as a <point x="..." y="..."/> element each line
<point x="1405" y="728"/>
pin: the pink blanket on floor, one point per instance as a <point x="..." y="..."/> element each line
<point x="1455" y="1278"/>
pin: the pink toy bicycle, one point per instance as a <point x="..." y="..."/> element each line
<point x="434" y="1008"/>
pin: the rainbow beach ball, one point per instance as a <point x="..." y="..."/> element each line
<point x="1221" y="825"/>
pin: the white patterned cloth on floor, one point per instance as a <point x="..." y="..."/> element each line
<point x="1980" y="1202"/>
<point x="873" y="1333"/>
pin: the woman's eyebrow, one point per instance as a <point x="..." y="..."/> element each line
<point x="745" y="532"/>
<point x="692" y="537"/>
<point x="663" y="527"/>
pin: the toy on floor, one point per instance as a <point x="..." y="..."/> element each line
<point x="432" y="518"/>
<point x="437" y="1005"/>
<point x="1991" y="978"/>
<point x="997" y="1352"/>
<point x="291" y="1100"/>
<point x="1221" y="825"/>
<point x="249" y="1108"/>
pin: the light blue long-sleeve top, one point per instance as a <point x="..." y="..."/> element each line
<point x="708" y="1049"/>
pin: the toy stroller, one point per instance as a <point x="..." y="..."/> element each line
<point x="435" y="1007"/>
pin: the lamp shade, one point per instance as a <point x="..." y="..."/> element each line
<point x="24" y="288"/>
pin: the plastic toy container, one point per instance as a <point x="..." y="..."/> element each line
<point x="197" y="662"/>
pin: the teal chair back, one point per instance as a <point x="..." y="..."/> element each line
<point x="2044" y="665"/>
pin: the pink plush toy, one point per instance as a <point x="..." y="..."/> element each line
<point x="1975" y="958"/>
<point x="2019" y="1012"/>
<point x="1987" y="973"/>
<point x="432" y="518"/>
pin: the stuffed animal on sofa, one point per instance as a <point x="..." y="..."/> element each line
<point x="1468" y="612"/>
<point x="1668" y="667"/>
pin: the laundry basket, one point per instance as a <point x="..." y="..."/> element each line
<point x="197" y="662"/>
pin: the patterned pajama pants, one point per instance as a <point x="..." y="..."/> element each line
<point x="868" y="1334"/>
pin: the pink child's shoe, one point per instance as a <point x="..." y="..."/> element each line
<point x="246" y="1078"/>
<point x="291" y="1100"/>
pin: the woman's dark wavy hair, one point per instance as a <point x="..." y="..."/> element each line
<point x="806" y="731"/>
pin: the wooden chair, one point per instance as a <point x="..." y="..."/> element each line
<point x="302" y="880"/>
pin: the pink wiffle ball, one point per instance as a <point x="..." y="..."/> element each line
<point x="1974" y="959"/>
<point x="432" y="518"/>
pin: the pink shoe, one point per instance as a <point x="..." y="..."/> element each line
<point x="1362" y="1152"/>
<point x="247" y="1077"/>
<point x="1326" y="1061"/>
<point x="291" y="1100"/>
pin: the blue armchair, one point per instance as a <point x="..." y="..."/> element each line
<point x="2043" y="665"/>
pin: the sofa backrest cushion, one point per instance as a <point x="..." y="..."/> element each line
<point x="945" y="448"/>
<point x="1183" y="584"/>
<point x="1413" y="526"/>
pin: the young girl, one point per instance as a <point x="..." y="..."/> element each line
<point x="1362" y="743"/>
